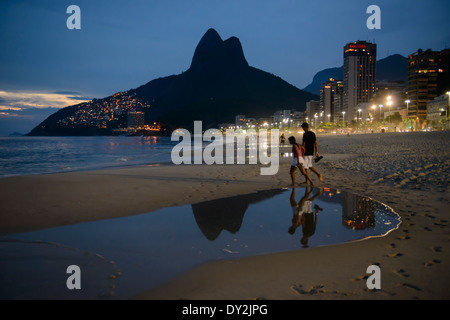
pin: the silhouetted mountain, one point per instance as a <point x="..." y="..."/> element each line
<point x="228" y="213"/>
<point x="15" y="134"/>
<point x="218" y="85"/>
<point x="323" y="76"/>
<point x="392" y="68"/>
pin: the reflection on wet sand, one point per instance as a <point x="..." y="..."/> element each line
<point x="152" y="248"/>
<point x="303" y="214"/>
<point x="226" y="214"/>
<point x="357" y="212"/>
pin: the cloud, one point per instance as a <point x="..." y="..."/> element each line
<point x="24" y="100"/>
<point x="21" y="111"/>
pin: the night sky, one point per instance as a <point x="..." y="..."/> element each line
<point x="124" y="44"/>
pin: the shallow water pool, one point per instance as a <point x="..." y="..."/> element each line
<point x="121" y="257"/>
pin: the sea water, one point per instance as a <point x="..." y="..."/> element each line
<point x="41" y="155"/>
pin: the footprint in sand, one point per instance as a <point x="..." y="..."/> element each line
<point x="430" y="216"/>
<point x="360" y="278"/>
<point x="411" y="286"/>
<point x="314" y="289"/>
<point x="395" y="255"/>
<point x="432" y="262"/>
<point x="437" y="249"/>
<point x="401" y="272"/>
<point x="441" y="223"/>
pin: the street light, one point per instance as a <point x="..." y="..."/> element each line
<point x="343" y="117"/>
<point x="389" y="103"/>
<point x="374" y="107"/>
<point x="407" y="108"/>
<point x="381" y="106"/>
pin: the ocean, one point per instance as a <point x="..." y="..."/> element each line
<point x="42" y="155"/>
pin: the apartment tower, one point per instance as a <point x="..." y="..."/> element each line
<point x="359" y="76"/>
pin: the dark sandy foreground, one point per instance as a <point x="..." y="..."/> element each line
<point x="406" y="171"/>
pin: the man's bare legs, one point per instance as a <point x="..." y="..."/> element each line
<point x="317" y="173"/>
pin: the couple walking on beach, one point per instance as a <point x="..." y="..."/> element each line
<point x="304" y="155"/>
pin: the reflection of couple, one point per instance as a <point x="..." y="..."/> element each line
<point x="303" y="214"/>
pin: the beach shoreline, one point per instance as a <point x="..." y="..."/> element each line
<point x="412" y="179"/>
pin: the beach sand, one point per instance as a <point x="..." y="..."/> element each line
<point x="406" y="171"/>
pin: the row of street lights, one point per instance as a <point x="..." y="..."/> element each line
<point x="389" y="103"/>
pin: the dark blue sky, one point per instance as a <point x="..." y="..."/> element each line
<point x="124" y="44"/>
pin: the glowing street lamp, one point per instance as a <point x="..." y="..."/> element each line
<point x="381" y="106"/>
<point x="407" y="108"/>
<point x="389" y="103"/>
<point x="343" y="117"/>
<point x="374" y="107"/>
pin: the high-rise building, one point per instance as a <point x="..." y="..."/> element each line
<point x="359" y="75"/>
<point x="428" y="77"/>
<point x="331" y="99"/>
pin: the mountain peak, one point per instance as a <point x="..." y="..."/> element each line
<point x="218" y="85"/>
<point x="211" y="34"/>
<point x="212" y="51"/>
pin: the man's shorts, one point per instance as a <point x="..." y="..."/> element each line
<point x="308" y="161"/>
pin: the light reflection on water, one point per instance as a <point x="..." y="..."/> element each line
<point x="150" y="249"/>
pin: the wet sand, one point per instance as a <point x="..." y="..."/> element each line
<point x="406" y="171"/>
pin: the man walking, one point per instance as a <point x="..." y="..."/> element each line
<point x="310" y="144"/>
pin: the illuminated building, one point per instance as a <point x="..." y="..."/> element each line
<point x="331" y="100"/>
<point x="428" y="77"/>
<point x="359" y="75"/>
<point x="437" y="110"/>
